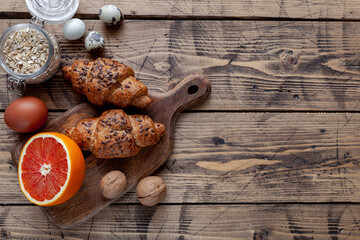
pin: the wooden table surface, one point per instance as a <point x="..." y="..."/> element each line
<point x="273" y="153"/>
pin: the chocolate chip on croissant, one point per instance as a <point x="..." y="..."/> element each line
<point x="115" y="134"/>
<point x="107" y="81"/>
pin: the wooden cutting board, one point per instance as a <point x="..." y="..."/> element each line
<point x="88" y="201"/>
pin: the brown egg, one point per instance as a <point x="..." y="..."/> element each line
<point x="26" y="114"/>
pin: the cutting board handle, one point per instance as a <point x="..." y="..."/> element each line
<point x="189" y="91"/>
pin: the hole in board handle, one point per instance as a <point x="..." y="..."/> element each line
<point x="193" y="89"/>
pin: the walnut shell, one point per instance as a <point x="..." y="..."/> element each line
<point x="151" y="190"/>
<point x="113" y="184"/>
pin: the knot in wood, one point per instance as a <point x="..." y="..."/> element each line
<point x="260" y="236"/>
<point x="293" y="60"/>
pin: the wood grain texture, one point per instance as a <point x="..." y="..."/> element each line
<point x="88" y="201"/>
<point x="246" y="158"/>
<point x="280" y="222"/>
<point x="310" y="9"/>
<point x="252" y="65"/>
<point x="224" y="158"/>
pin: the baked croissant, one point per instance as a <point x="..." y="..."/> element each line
<point x="107" y="81"/>
<point x="115" y="134"/>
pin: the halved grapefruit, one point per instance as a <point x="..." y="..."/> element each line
<point x="51" y="169"/>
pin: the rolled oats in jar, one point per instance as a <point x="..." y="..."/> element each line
<point x="28" y="53"/>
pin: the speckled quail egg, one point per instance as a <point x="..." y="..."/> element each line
<point x="74" y="29"/>
<point x="111" y="15"/>
<point x="94" y="42"/>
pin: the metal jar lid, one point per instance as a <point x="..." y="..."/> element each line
<point x="53" y="11"/>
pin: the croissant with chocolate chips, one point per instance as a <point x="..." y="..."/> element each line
<point x="107" y="81"/>
<point x="115" y="134"/>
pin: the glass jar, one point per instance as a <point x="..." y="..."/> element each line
<point x="43" y="11"/>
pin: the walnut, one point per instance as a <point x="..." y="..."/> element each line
<point x="113" y="184"/>
<point x="151" y="190"/>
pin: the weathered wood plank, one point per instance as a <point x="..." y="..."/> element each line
<point x="281" y="222"/>
<point x="246" y="158"/>
<point x="252" y="65"/>
<point x="311" y="9"/>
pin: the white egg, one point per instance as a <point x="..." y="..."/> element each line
<point x="74" y="29"/>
